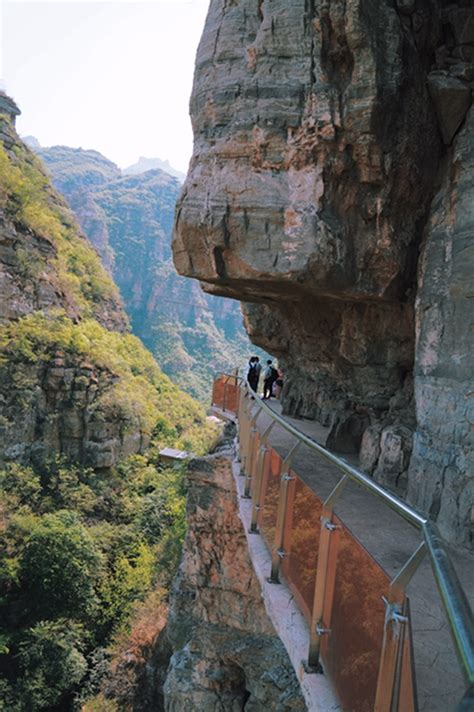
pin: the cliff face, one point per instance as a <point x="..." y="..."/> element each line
<point x="35" y="255"/>
<point x="72" y="382"/>
<point x="226" y="654"/>
<point x="129" y="220"/>
<point x="331" y="148"/>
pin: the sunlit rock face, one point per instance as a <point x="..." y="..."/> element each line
<point x="322" y="130"/>
<point x="226" y="654"/>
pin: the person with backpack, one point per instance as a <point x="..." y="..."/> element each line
<point x="253" y="372"/>
<point x="269" y="377"/>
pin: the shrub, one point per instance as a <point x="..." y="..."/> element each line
<point x="53" y="663"/>
<point x="58" y="568"/>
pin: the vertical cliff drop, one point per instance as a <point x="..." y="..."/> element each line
<point x="219" y="650"/>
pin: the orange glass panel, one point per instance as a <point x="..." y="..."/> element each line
<point x="218" y="392"/>
<point x="270" y="494"/>
<point x="231" y="396"/>
<point x="302" y="533"/>
<point x="351" y="652"/>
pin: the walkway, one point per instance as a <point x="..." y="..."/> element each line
<point x="391" y="541"/>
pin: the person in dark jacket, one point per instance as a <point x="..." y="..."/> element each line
<point x="253" y="372"/>
<point x="269" y="377"/>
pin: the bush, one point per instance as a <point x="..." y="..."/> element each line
<point x="58" y="568"/>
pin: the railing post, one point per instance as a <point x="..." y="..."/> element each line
<point x="225" y="394"/>
<point x="240" y="392"/>
<point x="390" y="661"/>
<point x="214" y="386"/>
<point x="244" y="432"/>
<point x="257" y="490"/>
<point x="242" y="424"/>
<point x="251" y="454"/>
<point x="325" y="578"/>
<point x="283" y="497"/>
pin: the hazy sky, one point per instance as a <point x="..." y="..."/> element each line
<point x="115" y="76"/>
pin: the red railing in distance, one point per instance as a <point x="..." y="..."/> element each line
<point x="351" y="652"/>
<point x="225" y="393"/>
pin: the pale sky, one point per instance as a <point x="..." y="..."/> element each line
<point x="115" y="76"/>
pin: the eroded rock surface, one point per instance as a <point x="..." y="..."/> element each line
<point x="322" y="134"/>
<point x="442" y="468"/>
<point x="62" y="406"/>
<point x="226" y="654"/>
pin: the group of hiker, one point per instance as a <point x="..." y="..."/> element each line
<point x="272" y="377"/>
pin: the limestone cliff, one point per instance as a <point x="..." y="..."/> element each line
<point x="331" y="149"/>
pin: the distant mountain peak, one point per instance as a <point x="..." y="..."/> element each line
<point x="146" y="164"/>
<point x="31" y="141"/>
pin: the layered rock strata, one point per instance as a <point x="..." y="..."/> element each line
<point x="226" y="653"/>
<point x="323" y="132"/>
<point x="60" y="406"/>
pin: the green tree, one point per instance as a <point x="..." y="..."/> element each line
<point x="52" y="663"/>
<point x="58" y="568"/>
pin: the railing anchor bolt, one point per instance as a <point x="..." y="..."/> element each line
<point x="281" y="553"/>
<point x="312" y="669"/>
<point x="330" y="526"/>
<point x="393" y="615"/>
<point x="287" y="478"/>
<point x="320" y="630"/>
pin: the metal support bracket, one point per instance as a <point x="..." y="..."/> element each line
<point x="266" y="433"/>
<point x="312" y="669"/>
<point x="393" y="614"/>
<point x="329" y="525"/>
<point x="320" y="630"/>
<point x="288" y="459"/>
<point x="406" y="573"/>
<point x="336" y="493"/>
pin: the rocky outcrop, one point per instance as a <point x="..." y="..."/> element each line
<point x="21" y="254"/>
<point x="61" y="407"/>
<point x="322" y="134"/>
<point x="31" y="266"/>
<point x="226" y="654"/>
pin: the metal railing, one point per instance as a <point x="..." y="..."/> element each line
<point x="278" y="496"/>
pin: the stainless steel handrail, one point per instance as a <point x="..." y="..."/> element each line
<point x="455" y="603"/>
